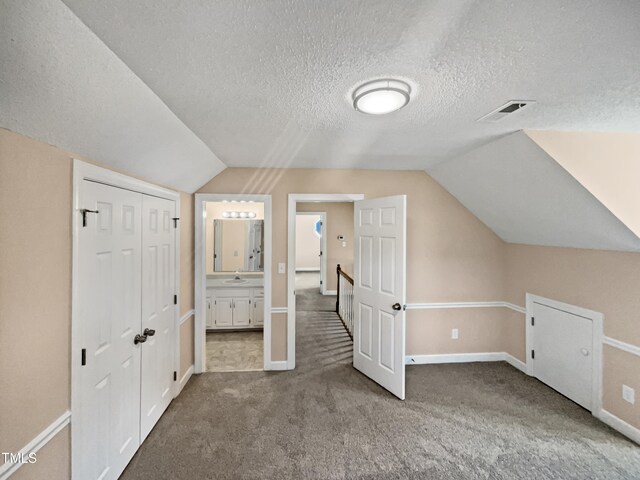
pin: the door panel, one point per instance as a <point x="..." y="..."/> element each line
<point x="241" y="311"/>
<point x="223" y="311"/>
<point x="258" y="312"/>
<point x="380" y="263"/>
<point x="563" y="345"/>
<point x="106" y="426"/>
<point x="158" y="309"/>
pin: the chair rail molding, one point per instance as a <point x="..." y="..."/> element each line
<point x="443" y="305"/>
<point x="8" y="469"/>
<point x="627" y="347"/>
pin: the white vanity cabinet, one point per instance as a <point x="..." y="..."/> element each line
<point x="235" y="308"/>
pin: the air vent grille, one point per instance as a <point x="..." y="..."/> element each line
<point x="505" y="110"/>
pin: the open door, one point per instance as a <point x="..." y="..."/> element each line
<point x="379" y="292"/>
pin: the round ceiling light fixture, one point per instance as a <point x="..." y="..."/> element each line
<point x="380" y="97"/>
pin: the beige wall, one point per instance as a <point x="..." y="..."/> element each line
<point x="35" y="296"/>
<point x="307" y="243"/>
<point x="35" y="288"/>
<point x="606" y="163"/>
<point x="214" y="212"/>
<point x="187" y="265"/>
<point x="621" y="368"/>
<point x="187" y="249"/>
<point x="339" y="222"/>
<point x="452" y="256"/>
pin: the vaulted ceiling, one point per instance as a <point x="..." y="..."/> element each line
<point x="525" y="196"/>
<point x="267" y="82"/>
<point x="175" y="91"/>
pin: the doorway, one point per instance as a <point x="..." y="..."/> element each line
<point x="311" y="249"/>
<point x="311" y="203"/>
<point x="233" y="282"/>
<point x="234" y="247"/>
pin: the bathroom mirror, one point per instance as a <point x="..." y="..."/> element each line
<point x="237" y="245"/>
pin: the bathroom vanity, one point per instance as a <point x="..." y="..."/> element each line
<point x="235" y="303"/>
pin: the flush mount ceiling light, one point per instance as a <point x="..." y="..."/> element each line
<point x="381" y="96"/>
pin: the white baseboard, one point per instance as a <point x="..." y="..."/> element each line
<point x="8" y="469"/>
<point x="330" y="292"/>
<point x="280" y="365"/>
<point x="454" y="358"/>
<point x="185" y="378"/>
<point x="514" y="362"/>
<point x="308" y="270"/>
<point x="466" y="358"/>
<point x="620" y="425"/>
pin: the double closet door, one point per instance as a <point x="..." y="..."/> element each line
<point x="126" y="318"/>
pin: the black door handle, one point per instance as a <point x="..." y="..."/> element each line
<point x="396" y="306"/>
<point x="139" y="339"/>
<point x="148" y="332"/>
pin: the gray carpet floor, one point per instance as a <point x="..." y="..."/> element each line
<point x="325" y="420"/>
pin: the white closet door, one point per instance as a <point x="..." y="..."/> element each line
<point x="106" y="422"/>
<point x="158" y="309"/>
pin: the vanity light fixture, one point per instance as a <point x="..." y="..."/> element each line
<point x="380" y="97"/>
<point x="239" y="214"/>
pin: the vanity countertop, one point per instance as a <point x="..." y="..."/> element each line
<point x="230" y="282"/>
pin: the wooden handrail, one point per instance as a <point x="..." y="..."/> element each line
<point x="341" y="272"/>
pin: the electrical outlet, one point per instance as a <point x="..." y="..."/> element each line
<point x="628" y="394"/>
<point x="282" y="268"/>
<point x="454" y="333"/>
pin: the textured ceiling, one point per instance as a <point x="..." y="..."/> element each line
<point x="59" y="83"/>
<point x="266" y="82"/>
<point x="525" y="196"/>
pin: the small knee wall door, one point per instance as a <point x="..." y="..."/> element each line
<point x="126" y="270"/>
<point x="565" y="350"/>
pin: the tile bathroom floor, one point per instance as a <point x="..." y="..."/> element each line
<point x="235" y="351"/>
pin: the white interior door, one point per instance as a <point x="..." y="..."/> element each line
<point x="379" y="291"/>
<point x="106" y="422"/>
<point x="562" y="352"/>
<point x="158" y="309"/>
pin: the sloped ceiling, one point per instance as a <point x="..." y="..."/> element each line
<point x="525" y="196"/>
<point x="61" y="84"/>
<point x="267" y="82"/>
<point x="607" y="164"/>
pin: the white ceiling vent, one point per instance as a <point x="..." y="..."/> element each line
<point x="505" y="110"/>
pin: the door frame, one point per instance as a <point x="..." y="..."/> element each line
<point x="86" y="171"/>
<point x="200" y="280"/>
<point x="293" y="199"/>
<point x="323" y="249"/>
<point x="598" y="336"/>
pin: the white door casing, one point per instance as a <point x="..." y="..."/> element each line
<point x="106" y="416"/>
<point x="380" y="291"/>
<point x="158" y="309"/>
